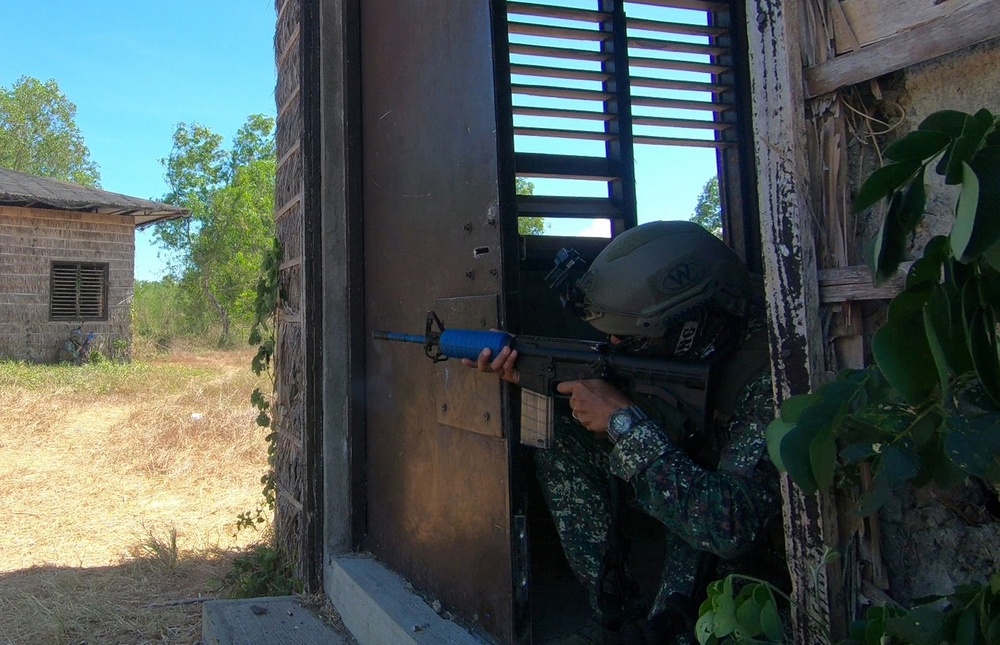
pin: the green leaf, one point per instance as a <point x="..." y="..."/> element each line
<point x="938" y="465"/>
<point x="775" y="434"/>
<point x="897" y="466"/>
<point x="923" y="428"/>
<point x="874" y="498"/>
<point x="793" y="406"/>
<point x="980" y="329"/>
<point x="966" y="147"/>
<point x="986" y="223"/>
<point x="748" y="616"/>
<point x="927" y="269"/>
<point x="858" y="452"/>
<point x="945" y="329"/>
<point x="973" y="444"/>
<point x="770" y="622"/>
<point x="883" y="182"/>
<point x="906" y="209"/>
<point x="989" y="288"/>
<point x="875" y="628"/>
<point x="918" y="626"/>
<point x="993" y="630"/>
<point x="992" y="256"/>
<point x="950" y="122"/>
<point x="918" y="145"/>
<point x="985" y="117"/>
<point x="704" y="629"/>
<point x="725" y="611"/>
<point x="795" y="446"/>
<point x="840" y="392"/>
<point x="965" y="212"/>
<point x="901" y="348"/>
<point x="967" y="630"/>
<point x="823" y="458"/>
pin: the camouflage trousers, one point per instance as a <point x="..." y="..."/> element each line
<point x="576" y="485"/>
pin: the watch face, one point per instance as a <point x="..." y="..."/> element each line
<point x="619" y="424"/>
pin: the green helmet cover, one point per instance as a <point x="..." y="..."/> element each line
<point x="647" y="279"/>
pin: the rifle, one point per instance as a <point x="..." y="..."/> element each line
<point x="545" y="362"/>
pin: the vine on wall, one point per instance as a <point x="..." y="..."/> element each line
<point x="262" y="334"/>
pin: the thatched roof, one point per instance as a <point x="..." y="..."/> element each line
<point x="20" y="189"/>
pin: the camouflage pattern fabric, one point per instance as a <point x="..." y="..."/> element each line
<point x="69" y="352"/>
<point x="717" y="495"/>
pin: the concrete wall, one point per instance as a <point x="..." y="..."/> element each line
<point x="30" y="240"/>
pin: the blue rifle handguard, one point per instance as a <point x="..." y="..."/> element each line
<point x="468" y="343"/>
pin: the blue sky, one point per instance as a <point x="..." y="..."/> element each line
<point x="137" y="68"/>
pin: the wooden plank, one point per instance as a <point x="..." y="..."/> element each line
<point x="950" y="33"/>
<point x="869" y="21"/>
<point x="854" y="283"/>
<point x="792" y="291"/>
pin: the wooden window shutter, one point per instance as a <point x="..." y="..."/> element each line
<point x="78" y="291"/>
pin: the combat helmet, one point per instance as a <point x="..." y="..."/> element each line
<point x="659" y="276"/>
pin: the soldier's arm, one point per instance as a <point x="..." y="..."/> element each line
<point x="725" y="511"/>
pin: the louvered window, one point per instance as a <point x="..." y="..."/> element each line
<point x="79" y="291"/>
<point x="592" y="81"/>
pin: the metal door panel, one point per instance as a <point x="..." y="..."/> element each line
<point x="464" y="399"/>
<point x="438" y="493"/>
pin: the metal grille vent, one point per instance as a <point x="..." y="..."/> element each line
<point x="79" y="292"/>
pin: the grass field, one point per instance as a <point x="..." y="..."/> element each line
<point x="121" y="485"/>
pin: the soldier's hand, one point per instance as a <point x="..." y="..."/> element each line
<point x="593" y="401"/>
<point x="503" y="364"/>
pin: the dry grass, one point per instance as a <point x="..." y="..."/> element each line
<point x="121" y="487"/>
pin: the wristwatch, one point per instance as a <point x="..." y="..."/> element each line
<point x="623" y="421"/>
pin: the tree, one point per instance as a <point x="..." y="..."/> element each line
<point x="528" y="225"/>
<point x="218" y="250"/>
<point x="38" y="133"/>
<point x="708" y="210"/>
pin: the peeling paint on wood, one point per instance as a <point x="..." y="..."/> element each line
<point x="789" y="251"/>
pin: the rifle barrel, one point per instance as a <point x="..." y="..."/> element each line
<point x="402" y="338"/>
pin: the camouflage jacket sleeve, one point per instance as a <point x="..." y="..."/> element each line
<point x="724" y="511"/>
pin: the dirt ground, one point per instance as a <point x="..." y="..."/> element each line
<point x="121" y="486"/>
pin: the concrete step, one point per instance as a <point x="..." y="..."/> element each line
<point x="380" y="608"/>
<point x="281" y="620"/>
<point x="368" y="605"/>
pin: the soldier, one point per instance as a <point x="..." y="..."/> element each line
<point x="75" y="349"/>
<point x="673" y="290"/>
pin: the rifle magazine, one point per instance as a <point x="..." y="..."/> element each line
<point x="536" y="419"/>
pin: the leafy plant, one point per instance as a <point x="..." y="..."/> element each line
<point x="263" y="571"/>
<point x="968" y="616"/>
<point x="745" y="617"/>
<point x="929" y="409"/>
<point x="262" y="334"/>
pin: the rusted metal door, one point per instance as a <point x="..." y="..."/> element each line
<point x="438" y="501"/>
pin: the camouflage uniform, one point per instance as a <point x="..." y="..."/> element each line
<point x="714" y="493"/>
<point x="72" y="351"/>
